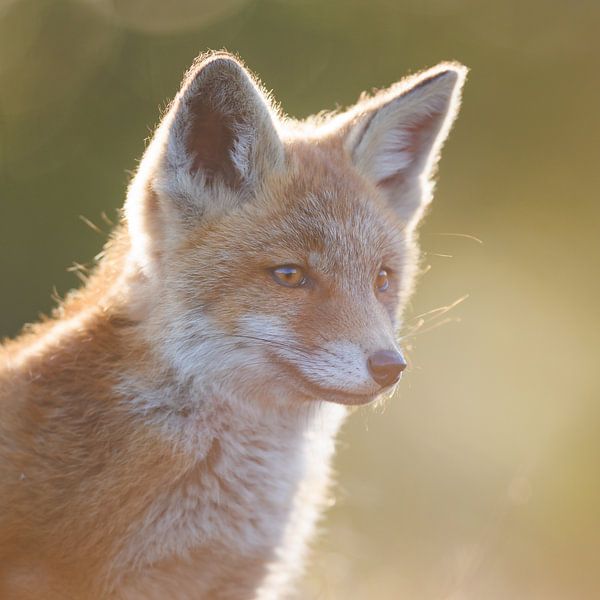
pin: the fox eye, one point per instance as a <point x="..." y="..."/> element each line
<point x="382" y="281"/>
<point x="289" y="276"/>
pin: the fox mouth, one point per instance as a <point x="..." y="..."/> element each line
<point x="339" y="396"/>
<point x="316" y="392"/>
<point x="347" y="398"/>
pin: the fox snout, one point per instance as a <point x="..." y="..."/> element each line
<point x="386" y="366"/>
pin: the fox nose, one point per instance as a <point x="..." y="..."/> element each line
<point x="386" y="366"/>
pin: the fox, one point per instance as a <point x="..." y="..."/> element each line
<point x="167" y="432"/>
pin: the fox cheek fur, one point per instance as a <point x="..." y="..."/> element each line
<point x="260" y="271"/>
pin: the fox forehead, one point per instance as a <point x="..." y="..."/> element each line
<point x="336" y="231"/>
<point x="316" y="213"/>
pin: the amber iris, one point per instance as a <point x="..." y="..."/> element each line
<point x="289" y="276"/>
<point x="382" y="281"/>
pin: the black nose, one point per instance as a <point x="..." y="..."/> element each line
<point x="386" y="366"/>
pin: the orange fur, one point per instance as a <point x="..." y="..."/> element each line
<point x="150" y="445"/>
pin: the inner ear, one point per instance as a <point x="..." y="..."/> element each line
<point x="210" y="141"/>
<point x="409" y="149"/>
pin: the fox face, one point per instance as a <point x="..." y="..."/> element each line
<point x="279" y="254"/>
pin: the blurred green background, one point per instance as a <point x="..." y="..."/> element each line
<point x="481" y="479"/>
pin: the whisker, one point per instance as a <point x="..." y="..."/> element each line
<point x="105" y="218"/>
<point x="91" y="225"/>
<point x="434" y="326"/>
<point x="436" y="313"/>
<point x="443" y="309"/>
<point x="467" y="236"/>
<point x="283" y="345"/>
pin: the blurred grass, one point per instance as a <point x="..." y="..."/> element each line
<point x="481" y="479"/>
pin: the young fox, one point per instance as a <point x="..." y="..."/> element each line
<point x="167" y="433"/>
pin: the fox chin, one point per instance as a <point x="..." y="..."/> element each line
<point x="167" y="432"/>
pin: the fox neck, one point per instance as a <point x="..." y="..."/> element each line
<point x="192" y="411"/>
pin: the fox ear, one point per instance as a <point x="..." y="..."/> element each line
<point x="396" y="137"/>
<point x="215" y="145"/>
<point x="219" y="132"/>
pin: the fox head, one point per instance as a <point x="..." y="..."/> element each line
<point x="278" y="254"/>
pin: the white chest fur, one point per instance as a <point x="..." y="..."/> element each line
<point x="256" y="489"/>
